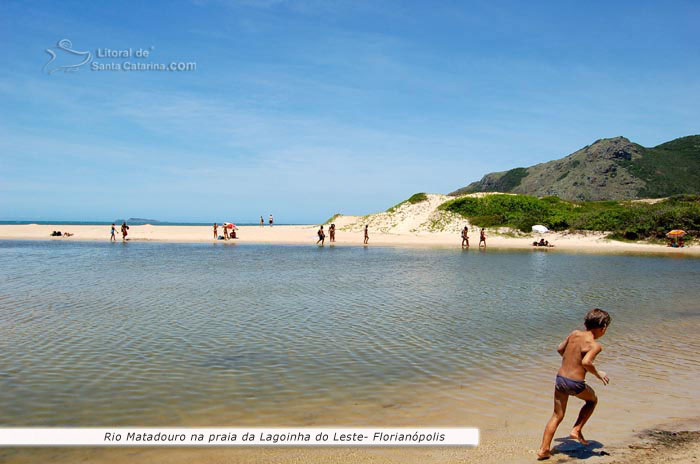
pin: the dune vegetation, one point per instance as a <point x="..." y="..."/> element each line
<point x="416" y="198"/>
<point x="632" y="220"/>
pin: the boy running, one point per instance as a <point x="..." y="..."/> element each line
<point x="578" y="352"/>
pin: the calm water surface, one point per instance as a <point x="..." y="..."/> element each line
<point x="174" y="334"/>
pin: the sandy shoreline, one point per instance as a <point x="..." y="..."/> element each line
<point x="677" y="442"/>
<point x="306" y="235"/>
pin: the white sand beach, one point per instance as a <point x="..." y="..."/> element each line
<point x="415" y="225"/>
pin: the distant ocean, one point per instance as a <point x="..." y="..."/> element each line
<point x="131" y="223"/>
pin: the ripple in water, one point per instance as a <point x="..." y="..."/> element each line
<point x="175" y="334"/>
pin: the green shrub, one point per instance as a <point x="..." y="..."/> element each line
<point x="627" y="220"/>
<point x="416" y="198"/>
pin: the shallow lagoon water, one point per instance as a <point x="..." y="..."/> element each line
<point x="95" y="334"/>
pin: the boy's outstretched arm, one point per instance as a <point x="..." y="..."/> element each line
<point x="588" y="363"/>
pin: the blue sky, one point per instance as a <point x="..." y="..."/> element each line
<point x="308" y="108"/>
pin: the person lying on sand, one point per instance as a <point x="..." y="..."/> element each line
<point x="543" y="243"/>
<point x="578" y="352"/>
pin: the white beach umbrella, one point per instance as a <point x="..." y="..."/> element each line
<point x="540" y="229"/>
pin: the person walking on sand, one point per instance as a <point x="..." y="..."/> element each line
<point x="271" y="220"/>
<point x="262" y="221"/>
<point x="578" y="351"/>
<point x="113" y="238"/>
<point x="465" y="237"/>
<point x="321" y="236"/>
<point x="482" y="237"/>
<point x="366" y="234"/>
<point x="216" y="235"/>
<point x="331" y="232"/>
<point x="125" y="228"/>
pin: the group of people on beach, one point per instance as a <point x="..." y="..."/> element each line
<point x="542" y="243"/>
<point x="331" y="232"/>
<point x="229" y="231"/>
<point x="125" y="232"/>
<point x="465" y="237"/>
<point x="58" y="233"/>
<point x="271" y="221"/>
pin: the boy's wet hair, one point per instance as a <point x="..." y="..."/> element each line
<point x="597" y="319"/>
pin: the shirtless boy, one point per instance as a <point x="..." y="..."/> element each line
<point x="578" y="352"/>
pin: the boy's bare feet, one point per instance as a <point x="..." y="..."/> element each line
<point x="542" y="455"/>
<point x="578" y="436"/>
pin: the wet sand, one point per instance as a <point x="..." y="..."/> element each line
<point x="306" y="235"/>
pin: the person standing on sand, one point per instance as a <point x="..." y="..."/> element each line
<point x="225" y="231"/>
<point x="216" y="235"/>
<point x="113" y="238"/>
<point x="262" y="221"/>
<point x="331" y="231"/>
<point x="482" y="237"/>
<point x="578" y="351"/>
<point x="321" y="236"/>
<point x="465" y="237"/>
<point x="125" y="228"/>
<point x="271" y="220"/>
<point x="366" y="234"/>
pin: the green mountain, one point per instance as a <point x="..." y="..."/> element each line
<point x="608" y="169"/>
